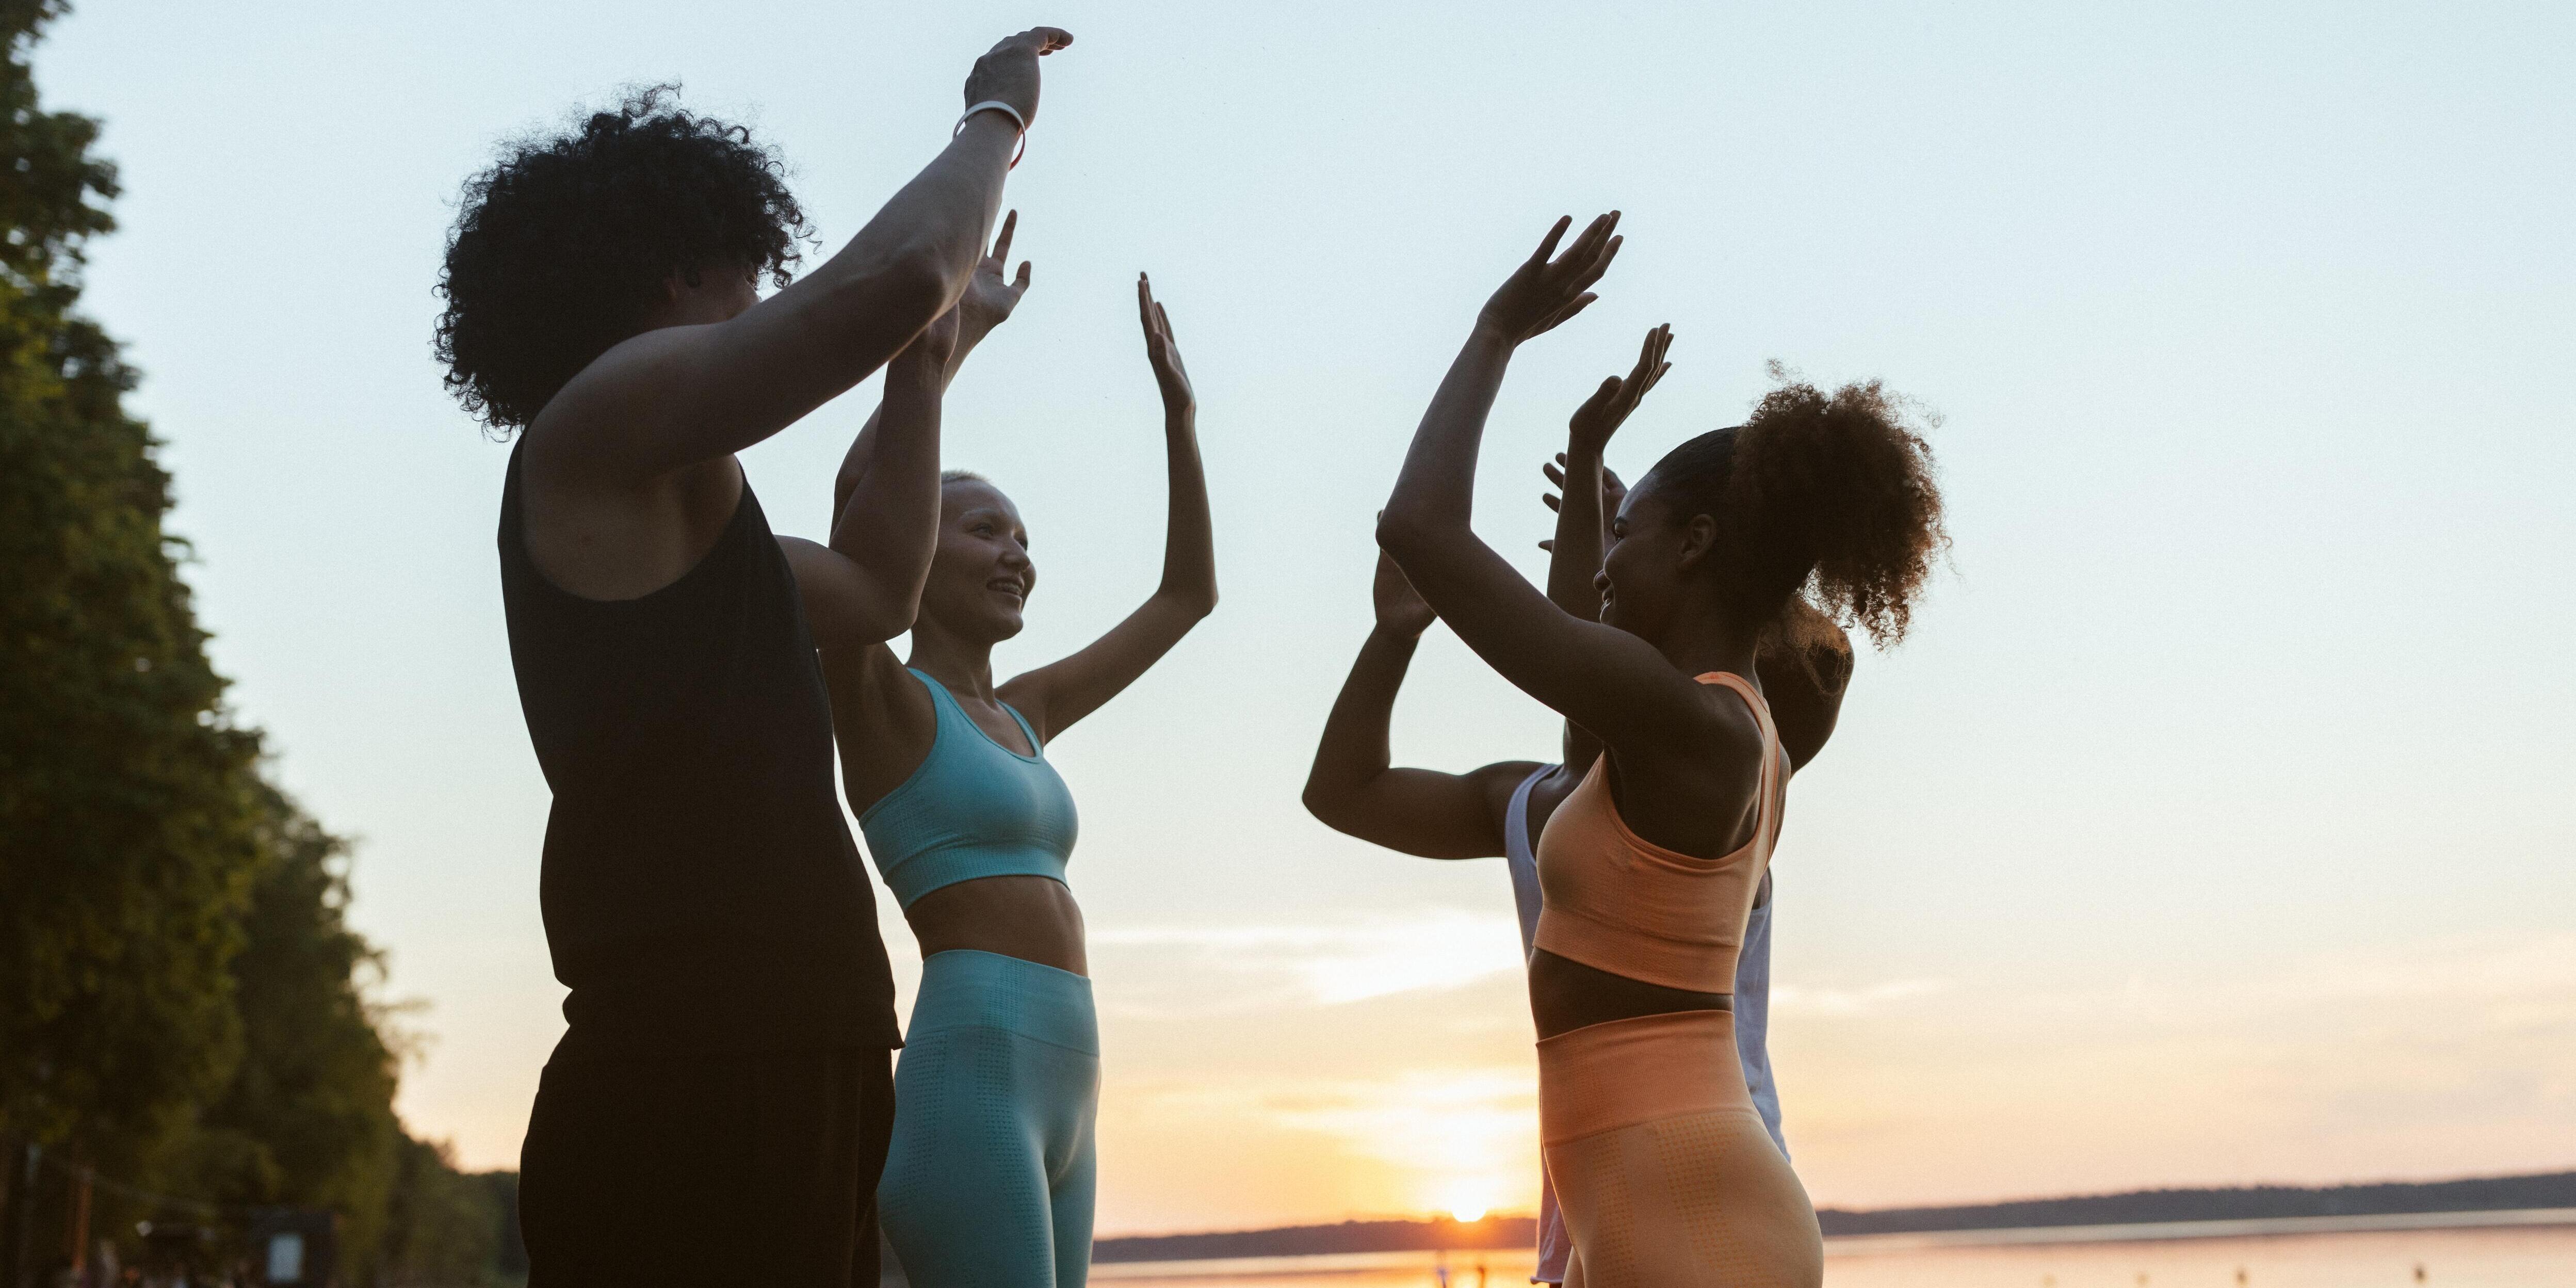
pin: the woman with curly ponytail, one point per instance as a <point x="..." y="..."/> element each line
<point x="1825" y="497"/>
<point x="1652" y="863"/>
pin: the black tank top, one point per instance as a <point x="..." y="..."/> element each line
<point x="699" y="880"/>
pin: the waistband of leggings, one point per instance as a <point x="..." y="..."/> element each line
<point x="964" y="988"/>
<point x="1603" y="1077"/>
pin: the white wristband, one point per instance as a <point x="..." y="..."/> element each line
<point x="1018" y="122"/>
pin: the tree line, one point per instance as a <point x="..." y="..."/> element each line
<point x="188" y="1024"/>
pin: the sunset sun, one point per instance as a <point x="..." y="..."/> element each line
<point x="1467" y="1204"/>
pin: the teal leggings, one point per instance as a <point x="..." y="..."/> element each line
<point x="990" y="1178"/>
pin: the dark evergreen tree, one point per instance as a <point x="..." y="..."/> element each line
<point x="182" y="1002"/>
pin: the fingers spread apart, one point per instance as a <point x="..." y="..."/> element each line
<point x="1040" y="40"/>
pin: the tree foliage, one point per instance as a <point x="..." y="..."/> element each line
<point x="307" y="1119"/>
<point x="183" y="1003"/>
<point x="444" y="1227"/>
<point x="129" y="824"/>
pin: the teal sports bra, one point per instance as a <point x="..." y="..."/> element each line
<point x="974" y="808"/>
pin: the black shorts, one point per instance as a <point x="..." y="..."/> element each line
<point x="655" y="1167"/>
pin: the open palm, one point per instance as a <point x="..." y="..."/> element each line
<point x="1607" y="409"/>
<point x="1546" y="291"/>
<point x="1161" y="351"/>
<point x="989" y="296"/>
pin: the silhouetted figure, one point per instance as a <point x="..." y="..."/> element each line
<point x="1503" y="807"/>
<point x="718" y="1111"/>
<point x="1651" y="865"/>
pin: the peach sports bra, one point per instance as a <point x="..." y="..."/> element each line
<point x="1618" y="902"/>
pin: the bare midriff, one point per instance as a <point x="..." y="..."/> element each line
<point x="1566" y="995"/>
<point x="1032" y="918"/>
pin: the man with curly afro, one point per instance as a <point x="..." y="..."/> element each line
<point x="718" y="1110"/>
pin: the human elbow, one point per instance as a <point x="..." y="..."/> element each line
<point x="1324" y="803"/>
<point x="857" y="623"/>
<point x="904" y="291"/>
<point x="1404" y="535"/>
<point x="1188" y="597"/>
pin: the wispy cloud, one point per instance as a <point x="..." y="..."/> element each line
<point x="1383" y="1065"/>
<point x="2509" y="984"/>
<point x="2446" y="1056"/>
<point x="1232" y="967"/>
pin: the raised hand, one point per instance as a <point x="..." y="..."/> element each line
<point x="1601" y="415"/>
<point x="989" y="296"/>
<point x="1008" y="72"/>
<point x="1169" y="374"/>
<point x="1614" y="492"/>
<point x="1545" y="291"/>
<point x="1399" y="608"/>
<point x="1062" y="692"/>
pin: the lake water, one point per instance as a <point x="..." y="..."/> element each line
<point x="2323" y="1253"/>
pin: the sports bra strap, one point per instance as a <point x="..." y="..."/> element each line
<point x="1770" y="785"/>
<point x="1027" y="730"/>
<point x="1617" y="902"/>
<point x="974" y="808"/>
<point x="947" y="705"/>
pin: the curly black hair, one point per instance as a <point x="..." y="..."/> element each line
<point x="1823" y="501"/>
<point x="560" y="248"/>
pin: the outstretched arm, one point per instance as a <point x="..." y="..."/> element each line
<point x="1591" y="491"/>
<point x="865" y="586"/>
<point x="676" y="396"/>
<point x="1607" y="680"/>
<point x="1353" y="790"/>
<point x="1592" y="494"/>
<point x="988" y="302"/>
<point x="1053" y="697"/>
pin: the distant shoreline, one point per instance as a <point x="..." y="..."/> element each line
<point x="2175" y="1231"/>
<point x="2547" y="1198"/>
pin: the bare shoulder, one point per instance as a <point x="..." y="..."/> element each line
<point x="609" y="542"/>
<point x="1026" y="689"/>
<point x="1708" y="722"/>
<point x="1733" y="737"/>
<point x="1696" y="792"/>
<point x="588" y="434"/>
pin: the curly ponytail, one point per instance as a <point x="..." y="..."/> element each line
<point x="1823" y="498"/>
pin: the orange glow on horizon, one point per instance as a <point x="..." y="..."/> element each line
<point x="1469" y="1200"/>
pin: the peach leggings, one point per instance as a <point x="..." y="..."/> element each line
<point x="1663" y="1169"/>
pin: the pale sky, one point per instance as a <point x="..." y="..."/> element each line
<point x="2213" y="828"/>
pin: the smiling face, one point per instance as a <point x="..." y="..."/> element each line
<point x="981" y="574"/>
<point x="1652" y="552"/>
